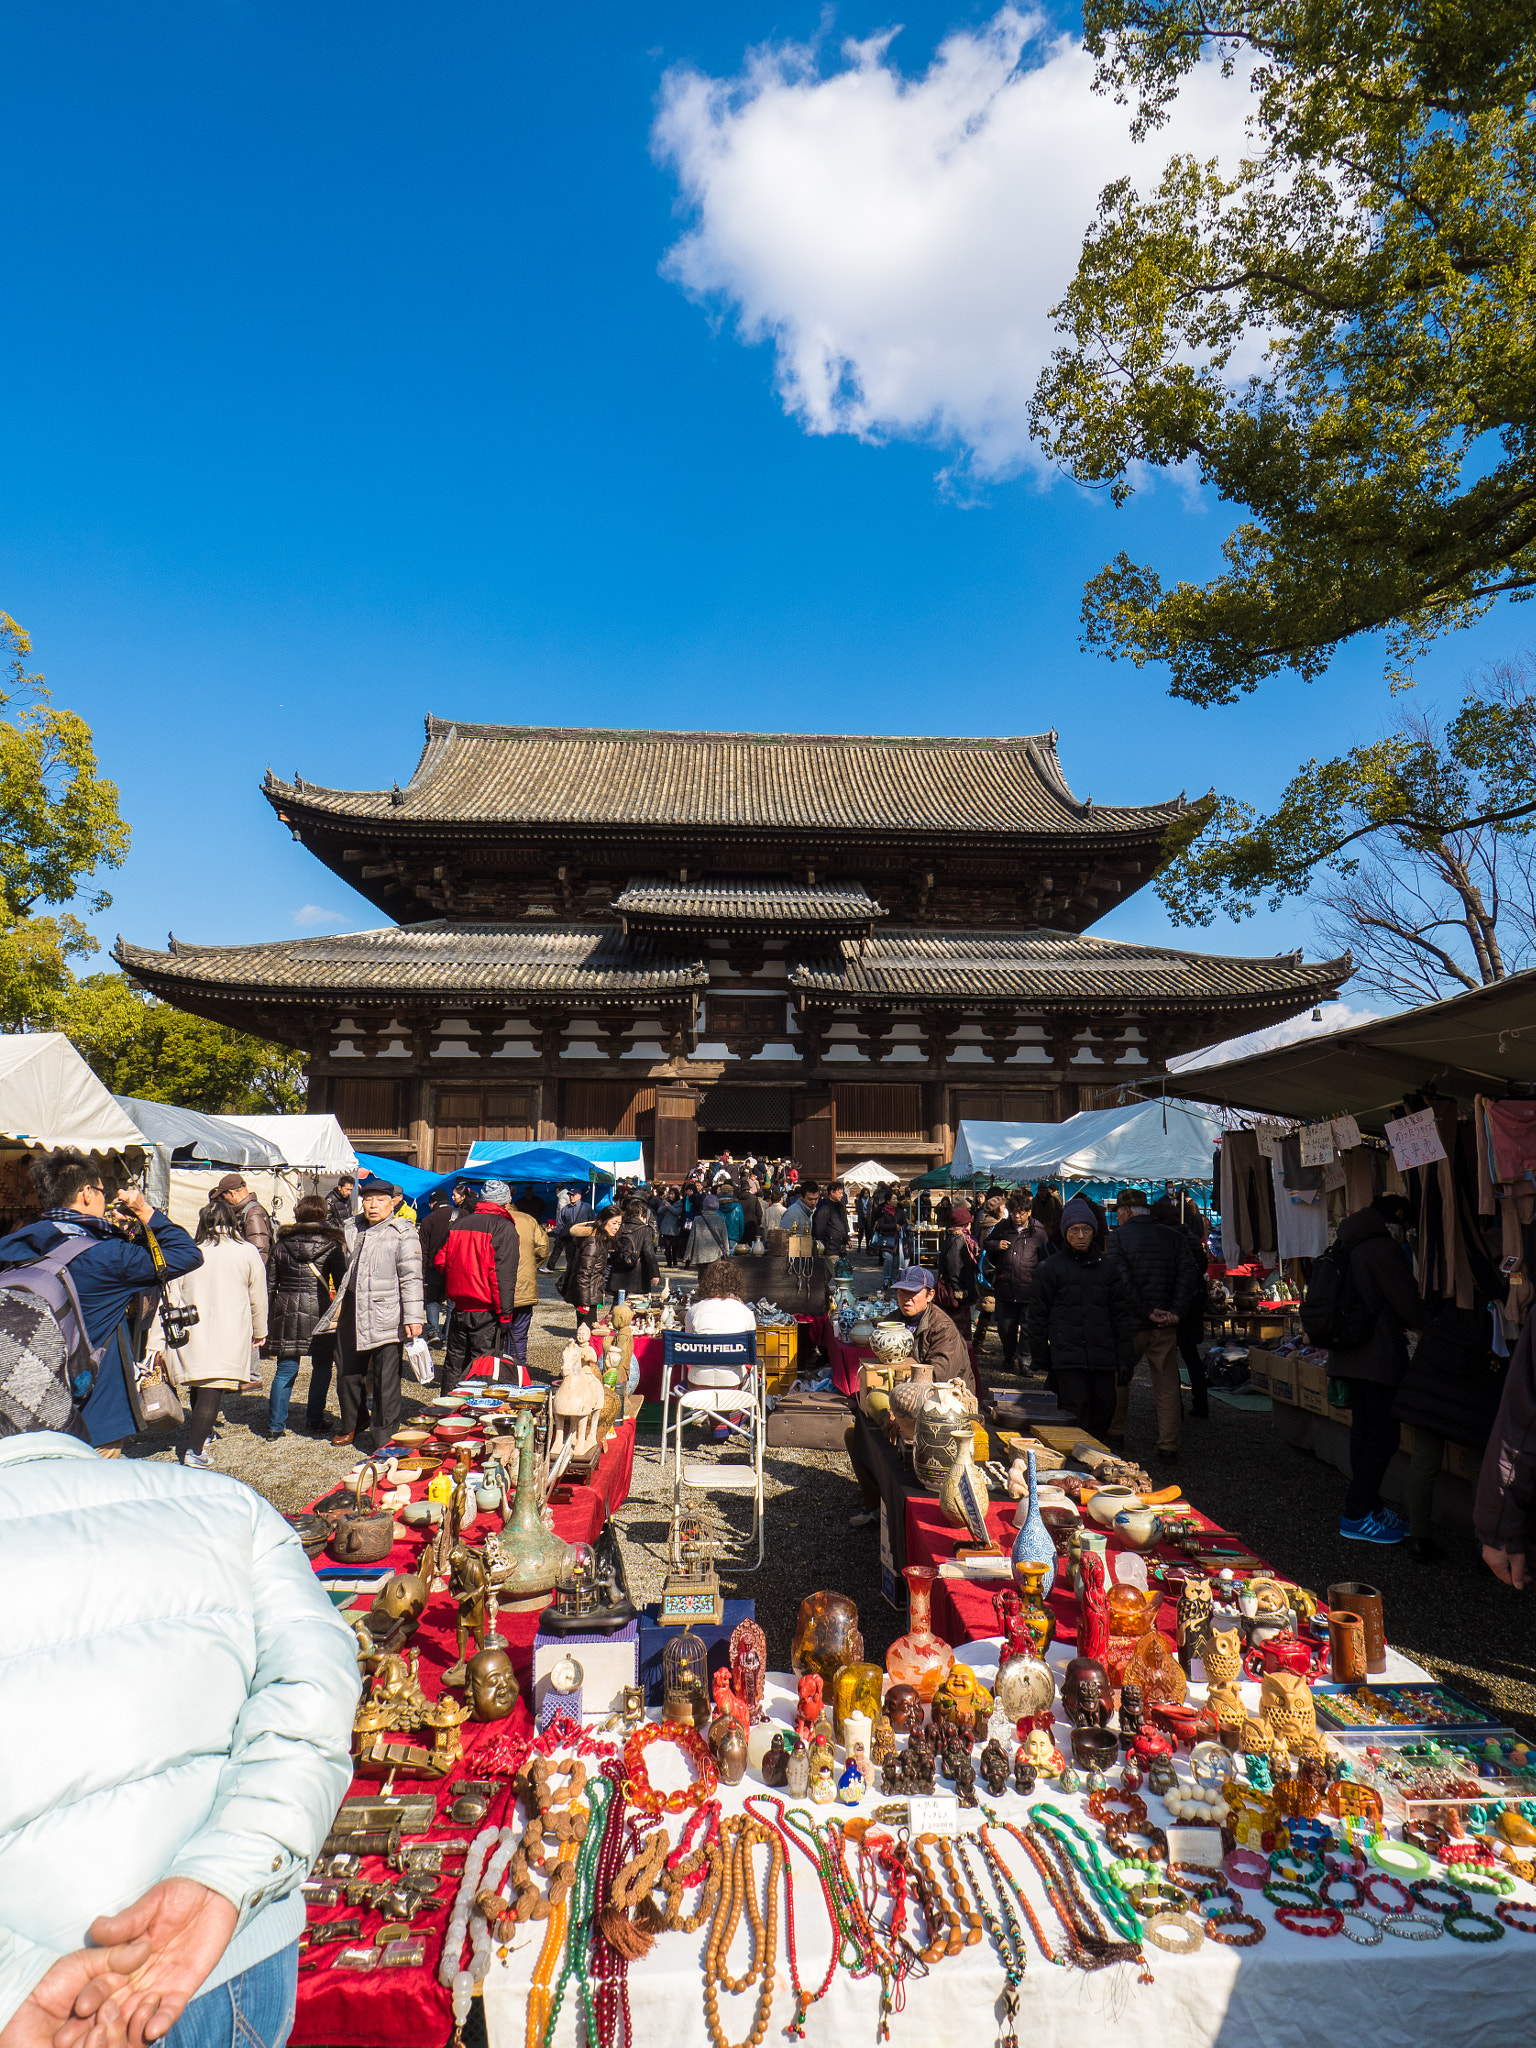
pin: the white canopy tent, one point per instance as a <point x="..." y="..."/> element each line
<point x="869" y="1173"/>
<point x="982" y="1147"/>
<point x="49" y="1097"/>
<point x="316" y="1143"/>
<point x="218" y="1139"/>
<point x="1142" y="1142"/>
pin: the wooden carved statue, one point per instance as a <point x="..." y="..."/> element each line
<point x="749" y="1662"/>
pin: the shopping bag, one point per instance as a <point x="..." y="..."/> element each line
<point x="418" y="1357"/>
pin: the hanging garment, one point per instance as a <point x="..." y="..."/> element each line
<point x="1359" y="1178"/>
<point x="1297" y="1178"/>
<point x="1301" y="1219"/>
<point x="1511" y="1139"/>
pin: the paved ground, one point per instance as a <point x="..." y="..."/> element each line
<point x="1455" y="1618"/>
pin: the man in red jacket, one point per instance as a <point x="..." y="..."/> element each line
<point x="478" y="1262"/>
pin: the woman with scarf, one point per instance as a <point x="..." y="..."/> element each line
<point x="958" y="1264"/>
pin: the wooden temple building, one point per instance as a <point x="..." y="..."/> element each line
<point x="823" y="947"/>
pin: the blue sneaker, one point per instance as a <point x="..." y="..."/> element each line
<point x="1395" y="1523"/>
<point x="1370" y="1529"/>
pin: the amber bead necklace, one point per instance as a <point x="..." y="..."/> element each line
<point x="738" y="1836"/>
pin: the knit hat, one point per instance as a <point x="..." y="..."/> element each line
<point x="1078" y="1211"/>
<point x="711" y="1201"/>
<point x="496" y="1191"/>
<point x="960" y="1214"/>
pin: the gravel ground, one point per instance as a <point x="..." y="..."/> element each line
<point x="1453" y="1618"/>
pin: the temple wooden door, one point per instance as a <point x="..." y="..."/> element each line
<point x="814" y="1146"/>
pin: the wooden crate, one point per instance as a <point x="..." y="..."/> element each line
<point x="778" y="1354"/>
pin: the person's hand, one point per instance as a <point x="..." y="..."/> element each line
<point x="187" y="1928"/>
<point x="1164" y="1315"/>
<point x="50" y="2005"/>
<point x="412" y="1330"/>
<point x="1508" y="1565"/>
<point x="136" y="1202"/>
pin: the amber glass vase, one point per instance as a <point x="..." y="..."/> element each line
<point x="919" y="1658"/>
<point x="856" y="1690"/>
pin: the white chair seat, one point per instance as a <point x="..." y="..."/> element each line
<point x="741" y="1409"/>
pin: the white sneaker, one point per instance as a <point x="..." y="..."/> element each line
<point x="198" y="1460"/>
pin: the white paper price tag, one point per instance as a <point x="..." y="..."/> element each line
<point x="1346" y="1133"/>
<point x="1333" y="1177"/>
<point x="939" y="1815"/>
<point x="1269" y="1137"/>
<point x="1317" y="1145"/>
<point x="1414" y="1139"/>
<point x="1196" y="1845"/>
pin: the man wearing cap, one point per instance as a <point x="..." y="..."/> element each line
<point x="255" y="1223"/>
<point x="936" y="1343"/>
<point x="478" y="1260"/>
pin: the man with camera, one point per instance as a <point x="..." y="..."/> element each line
<point x="132" y="1250"/>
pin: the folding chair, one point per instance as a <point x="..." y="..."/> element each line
<point x="741" y="1409"/>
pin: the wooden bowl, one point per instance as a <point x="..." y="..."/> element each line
<point x="412" y="1436"/>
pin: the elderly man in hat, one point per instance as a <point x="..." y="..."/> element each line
<point x="378" y="1308"/>
<point x="255" y="1223"/>
<point x="936" y="1343"/>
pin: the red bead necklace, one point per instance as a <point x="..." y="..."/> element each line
<point x="804" y="1999"/>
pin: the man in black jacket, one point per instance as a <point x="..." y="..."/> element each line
<point x="829" y="1225"/>
<point x="1383" y="1279"/>
<point x="1013" y="1251"/>
<point x="1082" y="1321"/>
<point x="1157" y="1263"/>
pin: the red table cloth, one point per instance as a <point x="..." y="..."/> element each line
<point x="382" y="2008"/>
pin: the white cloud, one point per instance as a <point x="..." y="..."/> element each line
<point x="314" y="913"/>
<point x="902" y="241"/>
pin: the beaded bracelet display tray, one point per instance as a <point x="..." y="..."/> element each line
<point x="1397" y="1706"/>
<point x="1414" y="1783"/>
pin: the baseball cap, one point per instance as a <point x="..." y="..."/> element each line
<point x="496" y="1191"/>
<point x="913" y="1279"/>
<point x="229" y="1183"/>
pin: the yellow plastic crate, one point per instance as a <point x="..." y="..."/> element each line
<point x="778" y="1354"/>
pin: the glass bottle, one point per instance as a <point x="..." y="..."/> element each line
<point x="919" y="1658"/>
<point x="856" y="1690"/>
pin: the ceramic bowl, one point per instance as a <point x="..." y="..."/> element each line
<point x="1138" y="1528"/>
<point x="422" y="1514"/>
<point x="449" y="1400"/>
<point x="1103" y="1506"/>
<point x="456" y="1426"/>
<point x="412" y="1436"/>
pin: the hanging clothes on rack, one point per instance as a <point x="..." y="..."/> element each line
<point x="1301" y="1217"/>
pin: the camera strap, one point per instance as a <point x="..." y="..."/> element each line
<point x="152" y="1245"/>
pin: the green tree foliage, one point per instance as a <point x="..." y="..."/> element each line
<point x="1336" y="334"/>
<point x="1418" y="850"/>
<point x="142" y="1047"/>
<point x="59" y="824"/>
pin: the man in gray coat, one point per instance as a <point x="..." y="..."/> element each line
<point x="378" y="1307"/>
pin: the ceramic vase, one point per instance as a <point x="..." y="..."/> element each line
<point x="919" y="1658"/>
<point x="1034" y="1543"/>
<point x="1035" y="1620"/>
<point x="532" y="1556"/>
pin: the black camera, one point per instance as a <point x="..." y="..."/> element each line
<point x="176" y="1319"/>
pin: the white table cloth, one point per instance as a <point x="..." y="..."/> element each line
<point x="1289" y="1991"/>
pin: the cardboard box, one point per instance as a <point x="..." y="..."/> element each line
<point x="1462" y="1462"/>
<point x="1282" y="1381"/>
<point x="1312" y="1386"/>
<point x="1344" y="1415"/>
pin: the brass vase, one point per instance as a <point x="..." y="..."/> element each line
<point x="530" y="1557"/>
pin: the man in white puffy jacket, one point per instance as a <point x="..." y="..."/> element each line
<point x="177" y="1698"/>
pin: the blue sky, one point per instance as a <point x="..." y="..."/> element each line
<point x="345" y="378"/>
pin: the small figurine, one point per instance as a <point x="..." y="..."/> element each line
<point x="824" y="1786"/>
<point x="1068" y="1780"/>
<point x="882" y="1744"/>
<point x="854" y="1782"/>
<point x="1130" y="1715"/>
<point x="749" y="1661"/>
<point x="1024" y="1775"/>
<point x="965" y="1782"/>
<point x="993" y="1764"/>
<point x="1161" y="1776"/>
<point x="728" y="1703"/>
<point x="775" y="1766"/>
<point x="1130" y="1777"/>
<point x="491" y="1684"/>
<point x="811" y="1701"/>
<point x="821" y="1752"/>
<point x="904" y="1709"/>
<point x="1043" y="1753"/>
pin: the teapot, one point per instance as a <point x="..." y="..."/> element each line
<point x="364" y="1535"/>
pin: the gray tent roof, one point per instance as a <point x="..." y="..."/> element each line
<point x="201" y="1137"/>
<point x="1472" y="1044"/>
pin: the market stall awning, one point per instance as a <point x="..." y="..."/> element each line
<point x="981" y="1147"/>
<point x="615" y="1156"/>
<point x="534" y="1166"/>
<point x="49" y="1096"/>
<point x="316" y="1142"/>
<point x="1479" y="1043"/>
<point x="189" y="1133"/>
<point x="1142" y="1142"/>
<point x="869" y="1173"/>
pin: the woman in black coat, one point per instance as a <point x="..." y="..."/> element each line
<point x="1082" y="1321"/>
<point x="309" y="1260"/>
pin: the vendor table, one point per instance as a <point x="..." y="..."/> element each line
<point x="408" y="2008"/>
<point x="1289" y="1989"/>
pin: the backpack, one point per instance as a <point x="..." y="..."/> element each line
<point x="1332" y="1313"/>
<point x="40" y="1292"/>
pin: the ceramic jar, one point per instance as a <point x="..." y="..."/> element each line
<point x="943" y="1429"/>
<point x="1138" y="1528"/>
<point x="891" y="1341"/>
<point x="1104" y="1505"/>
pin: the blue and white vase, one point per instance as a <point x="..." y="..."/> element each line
<point x="1034" y="1543"/>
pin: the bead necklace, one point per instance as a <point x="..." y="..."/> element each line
<point x="890" y="1965"/>
<point x="610" y="1967"/>
<point x="638" y="1789"/>
<point x="1010" y="1948"/>
<point x="1371" y="1938"/>
<point x="946" y="1934"/>
<point x="1084" y="1856"/>
<point x="804" y="1999"/>
<point x="974" y="1920"/>
<point x="539" y="1995"/>
<point x="579" y="1904"/>
<point x="1097" y="1945"/>
<point x="738" y="1837"/>
<point x="1001" y="1874"/>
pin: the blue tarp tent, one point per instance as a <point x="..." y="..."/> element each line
<point x="624" y="1158"/>
<point x="409" y="1179"/>
<point x="541" y="1166"/>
